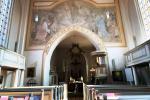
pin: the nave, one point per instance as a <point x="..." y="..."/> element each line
<point x="74" y="49"/>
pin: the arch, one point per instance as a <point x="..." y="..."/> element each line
<point x="60" y="36"/>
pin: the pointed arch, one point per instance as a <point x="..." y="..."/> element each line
<point x="60" y="36"/>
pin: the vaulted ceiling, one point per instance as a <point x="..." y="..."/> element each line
<point x="83" y="42"/>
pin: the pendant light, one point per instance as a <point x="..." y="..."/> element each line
<point x="107" y="14"/>
<point x="36" y="17"/>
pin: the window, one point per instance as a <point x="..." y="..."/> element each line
<point x="5" y="7"/>
<point x="144" y="6"/>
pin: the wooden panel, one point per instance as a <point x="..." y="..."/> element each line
<point x="47" y="95"/>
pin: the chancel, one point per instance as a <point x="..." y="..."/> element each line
<point x="74" y="49"/>
<point x="77" y="65"/>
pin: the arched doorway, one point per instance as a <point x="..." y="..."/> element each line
<point x="60" y="36"/>
<point x="71" y="59"/>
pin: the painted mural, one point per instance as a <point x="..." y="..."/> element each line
<point x="102" y="21"/>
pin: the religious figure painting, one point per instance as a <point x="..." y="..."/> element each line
<point x="103" y="21"/>
<point x="41" y="29"/>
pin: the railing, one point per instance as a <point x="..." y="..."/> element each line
<point x="11" y="59"/>
<point x="116" y="92"/>
<point x="86" y="94"/>
<point x="55" y="92"/>
<point x="139" y="54"/>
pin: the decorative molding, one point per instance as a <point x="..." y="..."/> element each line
<point x="42" y="4"/>
<point x="46" y="4"/>
<point x="103" y="1"/>
<point x="97" y="41"/>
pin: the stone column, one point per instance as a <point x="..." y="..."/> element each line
<point x="21" y="78"/>
<point x="4" y="74"/>
<point x="15" y="78"/>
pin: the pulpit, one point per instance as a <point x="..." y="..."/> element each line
<point x="100" y="68"/>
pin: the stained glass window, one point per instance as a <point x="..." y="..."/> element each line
<point x="5" y="7"/>
<point x="144" y="6"/>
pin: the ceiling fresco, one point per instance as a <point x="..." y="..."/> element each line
<point x="103" y="21"/>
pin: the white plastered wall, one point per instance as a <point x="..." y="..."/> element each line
<point x="34" y="59"/>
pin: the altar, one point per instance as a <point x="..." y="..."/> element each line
<point x="75" y="89"/>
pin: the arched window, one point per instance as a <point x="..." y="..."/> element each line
<point x="144" y="6"/>
<point x="5" y="9"/>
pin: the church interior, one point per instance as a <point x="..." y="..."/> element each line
<point x="74" y="49"/>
